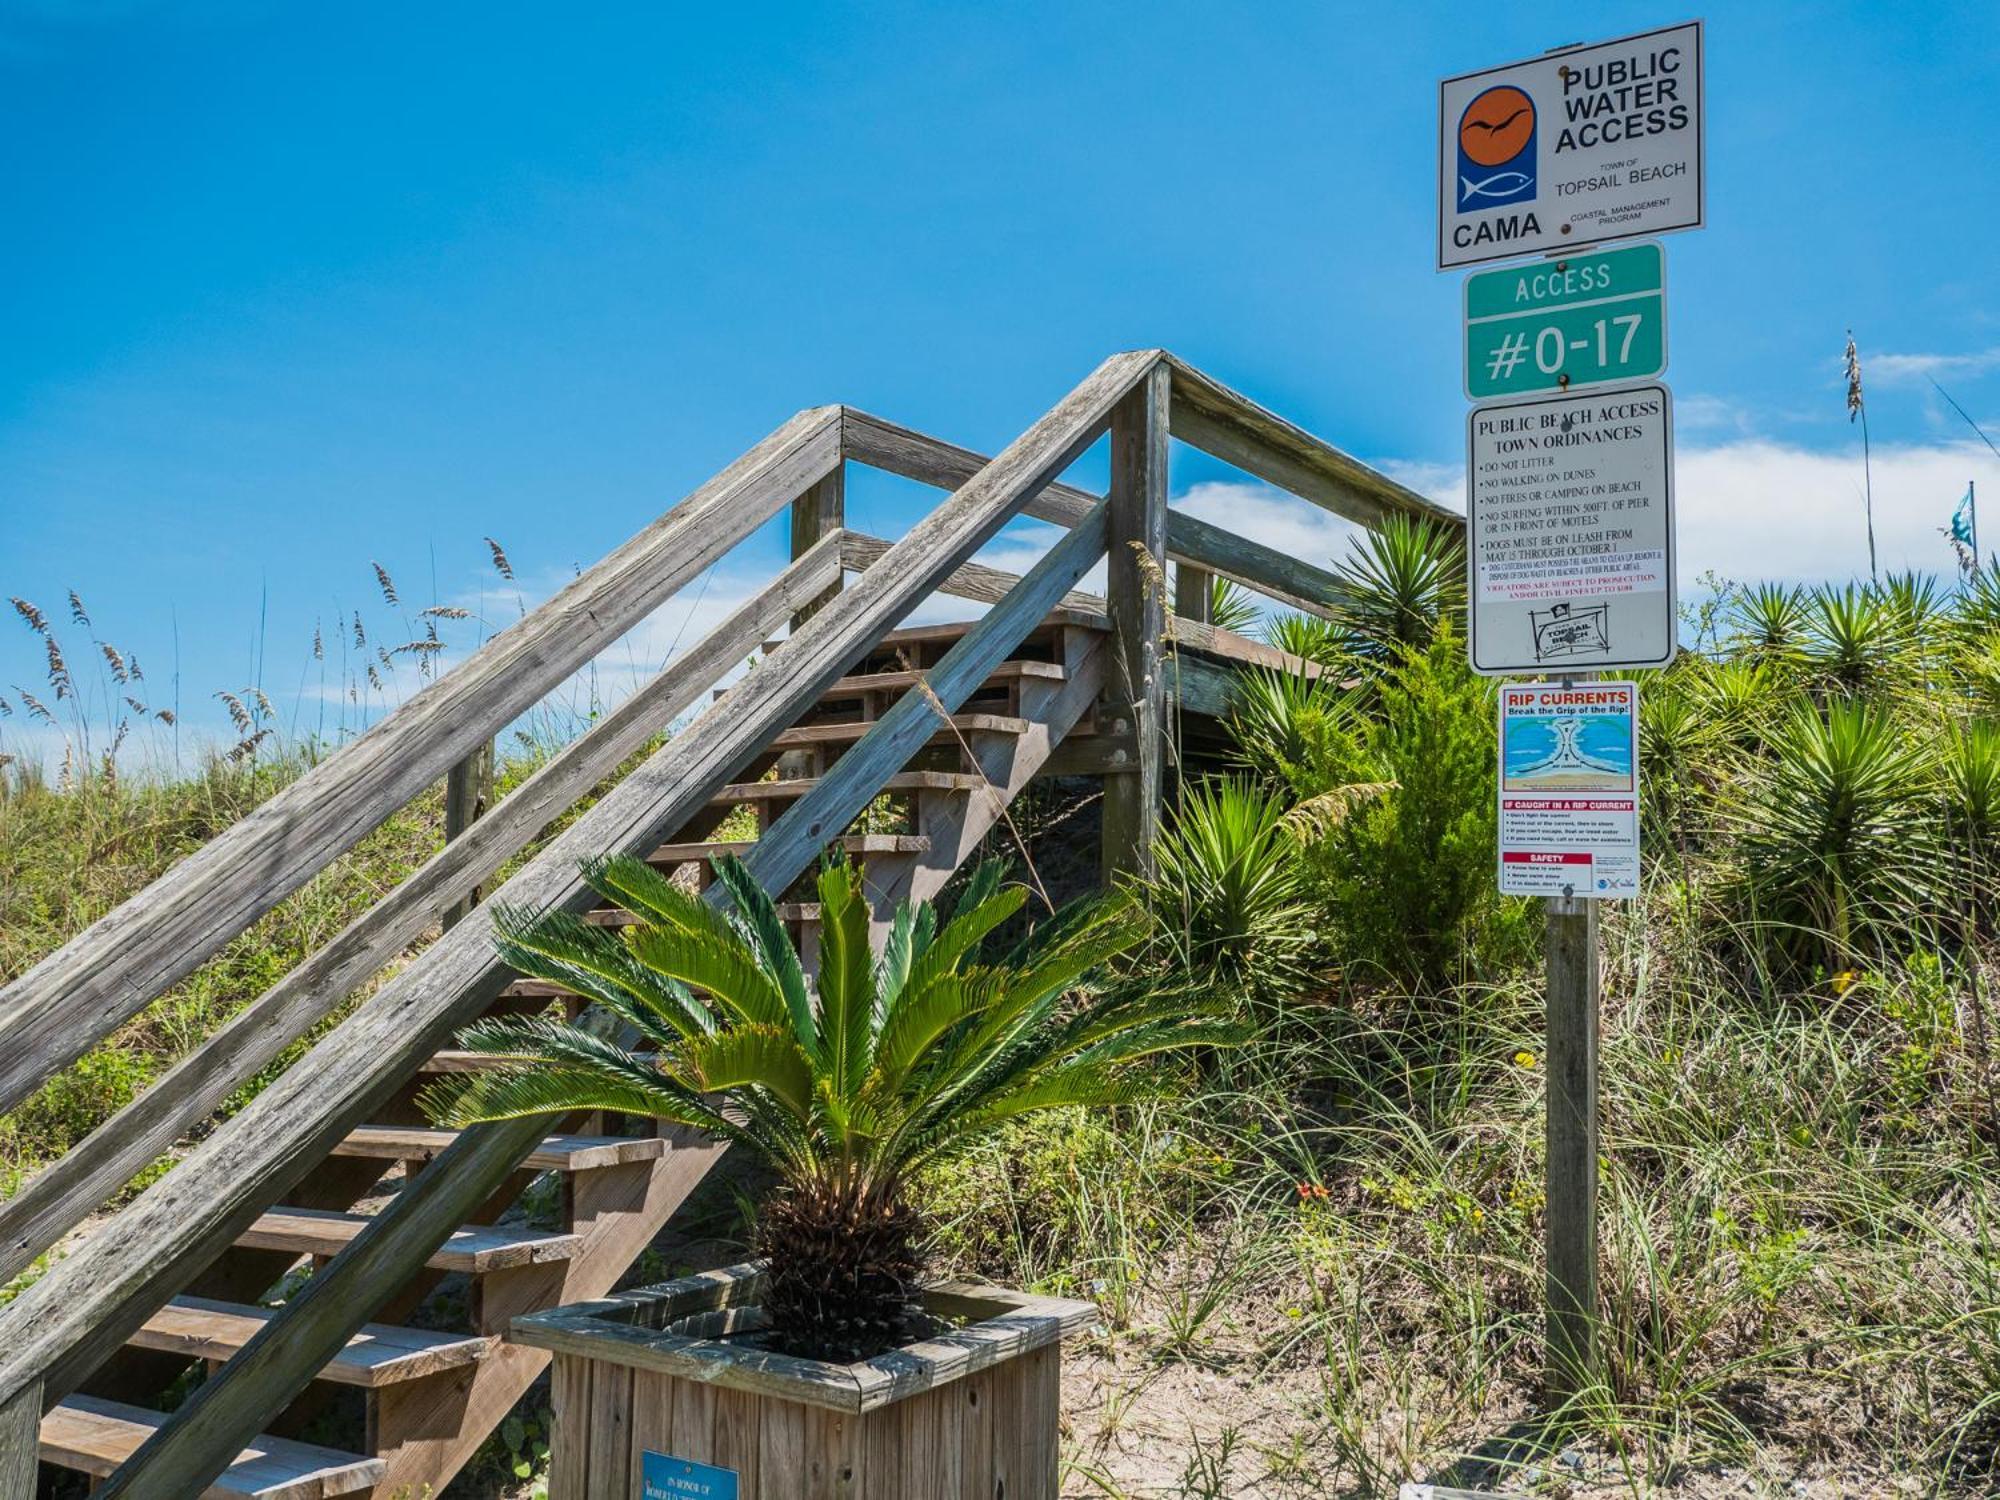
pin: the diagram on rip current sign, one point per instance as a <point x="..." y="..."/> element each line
<point x="1569" y="789"/>
<point x="1569" y="511"/>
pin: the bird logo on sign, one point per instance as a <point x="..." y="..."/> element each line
<point x="1496" y="149"/>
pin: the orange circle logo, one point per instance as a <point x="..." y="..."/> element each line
<point x="1496" y="125"/>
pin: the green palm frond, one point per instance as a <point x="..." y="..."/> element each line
<point x="760" y="915"/>
<point x="846" y="977"/>
<point x="563" y="949"/>
<point x="729" y="974"/>
<point x="765" y="1057"/>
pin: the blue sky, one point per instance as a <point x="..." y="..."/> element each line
<point x="294" y="288"/>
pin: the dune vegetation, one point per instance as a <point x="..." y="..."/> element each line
<point x="1319" y="1258"/>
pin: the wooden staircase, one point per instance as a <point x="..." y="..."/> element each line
<point x="323" y="1287"/>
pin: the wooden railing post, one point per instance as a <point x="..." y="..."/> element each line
<point x="1136" y="588"/>
<point x="468" y="792"/>
<point x="820" y="511"/>
<point x="20" y="1442"/>
<point x="1572" y="1146"/>
<point x="1194" y="594"/>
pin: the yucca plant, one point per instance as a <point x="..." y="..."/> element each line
<point x="1230" y="606"/>
<point x="1855" y="642"/>
<point x="1678" y="735"/>
<point x="847" y="1082"/>
<point x="1969" y="766"/>
<point x="1307" y="636"/>
<point x="1769" y="621"/>
<point x="1404" y="579"/>
<point x="1229" y="885"/>
<point x="1839" y="836"/>
<point x="1278" y="719"/>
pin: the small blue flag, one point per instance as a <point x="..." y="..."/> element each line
<point x="1961" y="519"/>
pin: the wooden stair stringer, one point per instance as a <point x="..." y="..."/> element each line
<point x="426" y="1430"/>
<point x="956" y="824"/>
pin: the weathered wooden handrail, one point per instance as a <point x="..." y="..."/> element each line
<point x="72" y="999"/>
<point x="928" y="460"/>
<point x="88" y="1304"/>
<point x="1230" y="426"/>
<point x="860" y="551"/>
<point x="199" y="1441"/>
<point x="75" y="1184"/>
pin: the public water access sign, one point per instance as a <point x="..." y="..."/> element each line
<point x="1569" y="789"/>
<point x="1592" y="143"/>
<point x="1569" y="508"/>
<point x="1596" y="317"/>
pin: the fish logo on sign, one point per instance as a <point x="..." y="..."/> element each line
<point x="1496" y="149"/>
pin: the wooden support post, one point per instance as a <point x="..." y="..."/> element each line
<point x="1571" y="1292"/>
<point x="817" y="513"/>
<point x="20" y="1442"/>
<point x="1137" y="586"/>
<point x="1194" y="593"/>
<point x="468" y="792"/>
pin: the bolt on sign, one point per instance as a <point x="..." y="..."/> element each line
<point x="1596" y="317"/>
<point x="1569" y="789"/>
<point x="1585" y="144"/>
<point x="1569" y="510"/>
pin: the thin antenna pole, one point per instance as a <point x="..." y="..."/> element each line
<point x="1868" y="496"/>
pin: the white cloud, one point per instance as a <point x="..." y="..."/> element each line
<point x="1891" y="369"/>
<point x="1759" y="509"/>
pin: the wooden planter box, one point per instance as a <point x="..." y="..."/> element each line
<point x="658" y="1398"/>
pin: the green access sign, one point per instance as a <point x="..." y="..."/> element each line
<point x="1577" y="320"/>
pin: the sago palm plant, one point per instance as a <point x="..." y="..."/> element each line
<point x="847" y="1081"/>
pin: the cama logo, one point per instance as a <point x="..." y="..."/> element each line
<point x="1496" y="149"/>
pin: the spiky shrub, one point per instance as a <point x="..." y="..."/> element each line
<point x="846" y="1082"/>
<point x="1969" y="767"/>
<point x="1839" y="832"/>
<point x="1230" y="606"/>
<point x="1855" y="641"/>
<point x="1309" y="637"/>
<point x="1405" y="580"/>
<point x="1279" y="719"/>
<point x="1228" y="883"/>
<point x="1769" y="622"/>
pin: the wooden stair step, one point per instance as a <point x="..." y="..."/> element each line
<point x="559" y="1153"/>
<point x="378" y="1355"/>
<point x="853" y="843"/>
<point x="791" y="791"/>
<point x="803" y="735"/>
<point x="464" y="1062"/>
<point x="614" y="916"/>
<point x="474" y="1249"/>
<point x="96" y="1436"/>
<point x="902" y="681"/>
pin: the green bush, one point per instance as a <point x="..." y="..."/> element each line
<point x="1401" y="810"/>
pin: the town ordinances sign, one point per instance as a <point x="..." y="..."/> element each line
<point x="1594" y="143"/>
<point x="1569" y="510"/>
